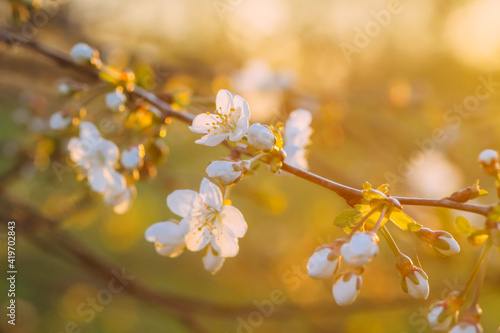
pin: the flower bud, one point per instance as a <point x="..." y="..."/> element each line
<point x="261" y="137"/>
<point x="488" y="159"/>
<point x="360" y="249"/>
<point x="465" y="327"/>
<point x="413" y="279"/>
<point x="132" y="158"/>
<point x="442" y="241"/>
<point x="83" y="54"/>
<point x="322" y="264"/>
<point x="346" y="288"/>
<point x="115" y="101"/>
<point x="58" y="121"/>
<point x="440" y="316"/>
<point x="227" y="172"/>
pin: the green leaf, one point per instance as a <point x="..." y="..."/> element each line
<point x="462" y="225"/>
<point x="347" y="218"/>
<point x="404" y="221"/>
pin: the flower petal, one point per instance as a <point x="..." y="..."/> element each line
<point x="182" y="202"/>
<point x="239" y="132"/>
<point x="168" y="238"/>
<point x="201" y="123"/>
<point x="89" y="132"/>
<point x="224" y="101"/>
<point x="241" y="103"/>
<point x="109" y="150"/>
<point x="75" y="149"/>
<point x="226" y="242"/>
<point x="233" y="219"/>
<point x="212" y="140"/>
<point x="211" y="194"/>
<point x="98" y="179"/>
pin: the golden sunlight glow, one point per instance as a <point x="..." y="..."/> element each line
<point x="473" y="33"/>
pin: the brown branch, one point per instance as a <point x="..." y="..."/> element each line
<point x="351" y="195"/>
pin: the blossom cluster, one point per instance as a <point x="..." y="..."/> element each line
<point x="361" y="245"/>
<point x="97" y="159"/>
<point x="208" y="223"/>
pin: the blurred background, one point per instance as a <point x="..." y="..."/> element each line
<point x="392" y="87"/>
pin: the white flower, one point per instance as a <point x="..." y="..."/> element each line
<point x="465" y="327"/>
<point x="320" y="265"/>
<point x="97" y="157"/>
<point x="261" y="137"/>
<point x="226" y="171"/>
<point x="488" y="156"/>
<point x="361" y="248"/>
<point x="346" y="288"/>
<point x="446" y="244"/>
<point x="210" y="221"/>
<point x="417" y="285"/>
<point x="296" y="136"/>
<point x="230" y="120"/>
<point x="115" y="101"/>
<point x="58" y="121"/>
<point x="439" y="318"/>
<point x="168" y="237"/>
<point x="132" y="158"/>
<point x="83" y="54"/>
<point x="212" y="261"/>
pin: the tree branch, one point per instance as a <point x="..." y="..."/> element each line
<point x="351" y="195"/>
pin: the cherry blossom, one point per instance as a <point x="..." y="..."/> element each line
<point x="346" y="288"/>
<point x="261" y="137"/>
<point x="360" y="249"/>
<point x="230" y="120"/>
<point x="227" y="172"/>
<point x="321" y="264"/>
<point x="439" y="317"/>
<point x="96" y="157"/>
<point x="414" y="281"/>
<point x="211" y="222"/>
